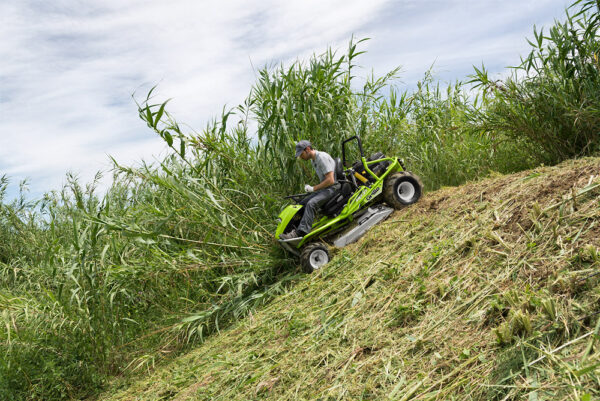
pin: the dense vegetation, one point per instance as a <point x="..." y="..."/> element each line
<point x="485" y="291"/>
<point x="98" y="285"/>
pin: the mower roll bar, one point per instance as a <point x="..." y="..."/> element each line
<point x="362" y="153"/>
<point x="362" y="156"/>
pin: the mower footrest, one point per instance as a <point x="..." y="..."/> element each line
<point x="290" y="245"/>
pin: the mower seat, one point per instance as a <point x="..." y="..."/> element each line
<point x="339" y="170"/>
<point x="337" y="202"/>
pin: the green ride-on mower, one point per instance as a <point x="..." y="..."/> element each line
<point x="359" y="203"/>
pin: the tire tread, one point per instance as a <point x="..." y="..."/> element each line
<point x="389" y="189"/>
<point x="305" y="255"/>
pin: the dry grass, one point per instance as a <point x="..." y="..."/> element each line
<point x="488" y="291"/>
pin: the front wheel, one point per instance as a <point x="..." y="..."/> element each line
<point x="402" y="189"/>
<point x="314" y="256"/>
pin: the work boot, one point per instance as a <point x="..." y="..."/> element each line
<point x="291" y="235"/>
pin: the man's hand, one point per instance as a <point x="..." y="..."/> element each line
<point x="308" y="188"/>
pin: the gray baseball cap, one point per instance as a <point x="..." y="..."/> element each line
<point x="300" y="146"/>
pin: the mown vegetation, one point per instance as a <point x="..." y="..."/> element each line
<point x="486" y="291"/>
<point x="96" y="285"/>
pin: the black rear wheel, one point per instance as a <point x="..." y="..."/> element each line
<point x="402" y="189"/>
<point x="314" y="256"/>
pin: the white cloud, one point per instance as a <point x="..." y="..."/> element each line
<point x="69" y="67"/>
<point x="456" y="35"/>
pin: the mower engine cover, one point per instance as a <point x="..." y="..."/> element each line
<point x="285" y="217"/>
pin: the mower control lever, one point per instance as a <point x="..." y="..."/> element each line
<point x="296" y="197"/>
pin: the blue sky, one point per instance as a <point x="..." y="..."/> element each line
<point x="69" y="67"/>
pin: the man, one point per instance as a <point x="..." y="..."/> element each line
<point x="325" y="168"/>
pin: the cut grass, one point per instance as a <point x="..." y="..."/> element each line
<point x="479" y="292"/>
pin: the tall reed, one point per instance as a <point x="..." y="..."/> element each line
<point x="552" y="99"/>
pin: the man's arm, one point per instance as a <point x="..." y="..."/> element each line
<point x="327" y="182"/>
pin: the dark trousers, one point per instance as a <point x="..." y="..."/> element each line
<point x="311" y="204"/>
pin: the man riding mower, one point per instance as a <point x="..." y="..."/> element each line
<point x="324" y="166"/>
<point x="350" y="200"/>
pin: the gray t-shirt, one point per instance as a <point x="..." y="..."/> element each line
<point x="323" y="164"/>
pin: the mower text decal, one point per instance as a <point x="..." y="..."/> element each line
<point x="376" y="192"/>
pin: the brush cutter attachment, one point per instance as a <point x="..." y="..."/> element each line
<point x="357" y="229"/>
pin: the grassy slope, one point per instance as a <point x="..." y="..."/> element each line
<point x="413" y="309"/>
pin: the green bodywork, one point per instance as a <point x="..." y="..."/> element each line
<point x="364" y="195"/>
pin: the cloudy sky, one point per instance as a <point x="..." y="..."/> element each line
<point x="69" y="67"/>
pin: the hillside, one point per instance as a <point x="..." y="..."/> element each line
<point x="490" y="290"/>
